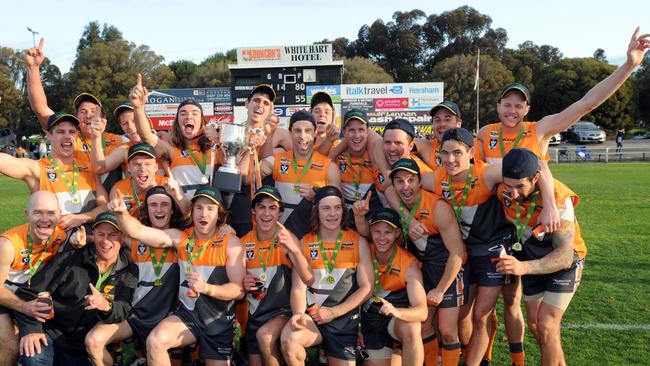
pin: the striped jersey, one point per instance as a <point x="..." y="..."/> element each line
<point x="186" y="170"/>
<point x="392" y="280"/>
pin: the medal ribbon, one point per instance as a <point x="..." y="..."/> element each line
<point x="34" y="267"/>
<point x="522" y="226"/>
<point x="75" y="175"/>
<point x="458" y="209"/>
<point x="135" y="194"/>
<point x="515" y="144"/>
<point x="376" y="269"/>
<point x="329" y="263"/>
<point x="263" y="262"/>
<point x="88" y="146"/>
<point x="200" y="165"/>
<point x="304" y="168"/>
<point x="407" y="219"/>
<point x="255" y="173"/>
<point x="190" y="249"/>
<point x="158" y="265"/>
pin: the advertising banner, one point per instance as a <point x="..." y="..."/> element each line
<point x="162" y="104"/>
<point x="312" y="54"/>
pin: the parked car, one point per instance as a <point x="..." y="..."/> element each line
<point x="643" y="136"/>
<point x="555" y="139"/>
<point x="585" y="131"/>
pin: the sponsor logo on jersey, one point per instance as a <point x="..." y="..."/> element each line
<point x="342" y="167"/>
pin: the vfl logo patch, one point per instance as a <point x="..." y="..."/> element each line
<point x="129" y="204"/>
<point x="142" y="249"/>
<point x="185" y="154"/>
<point x="508" y="203"/>
<point x="493" y="144"/>
<point x="380" y="178"/>
<point x="284" y="168"/>
<point x="249" y="254"/>
<point x="446" y="193"/>
<point x="438" y="161"/>
<point x="25" y="260"/>
<point x="51" y="176"/>
<point x="343" y="167"/>
<point x="313" y="253"/>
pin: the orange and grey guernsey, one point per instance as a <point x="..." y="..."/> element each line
<point x="432" y="250"/>
<point x="82" y="149"/>
<point x="216" y="315"/>
<point x="20" y="267"/>
<point x="565" y="199"/>
<point x="51" y="180"/>
<point x="392" y="280"/>
<point x="158" y="284"/>
<point x="132" y="199"/>
<point x="357" y="176"/>
<point x="492" y="147"/>
<point x="186" y="171"/>
<point x="330" y="293"/>
<point x="278" y="273"/>
<point x="482" y="221"/>
<point x="435" y="162"/>
<point x="285" y="177"/>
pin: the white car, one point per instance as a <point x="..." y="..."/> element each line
<point x="555" y="139"/>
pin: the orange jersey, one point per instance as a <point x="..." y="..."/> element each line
<point x="19" y="269"/>
<point x="491" y="147"/>
<point x="430" y="249"/>
<point x="566" y="200"/>
<point x="357" y="176"/>
<point x="50" y="180"/>
<point x="392" y="282"/>
<point x="185" y="169"/>
<point x="132" y="199"/>
<point x="82" y="147"/>
<point x="285" y="177"/>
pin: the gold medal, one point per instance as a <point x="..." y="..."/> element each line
<point x="204" y="180"/>
<point x="517" y="246"/>
<point x="158" y="282"/>
<point x="376" y="298"/>
<point x="263" y="277"/>
<point x="330" y="279"/>
<point x="296" y="188"/>
<point x="357" y="196"/>
<point x="76" y="200"/>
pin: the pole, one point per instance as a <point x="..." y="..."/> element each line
<point x="477" y="88"/>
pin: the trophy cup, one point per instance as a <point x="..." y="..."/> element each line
<point x="233" y="137"/>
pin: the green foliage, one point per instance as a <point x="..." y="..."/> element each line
<point x="182" y="70"/>
<point x="642" y="78"/>
<point x="567" y="81"/>
<point x="359" y="70"/>
<point x="458" y="74"/>
<point x="599" y="55"/>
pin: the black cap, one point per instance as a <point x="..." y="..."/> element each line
<point x="327" y="191"/>
<point x="519" y="164"/>
<point x="405" y="164"/>
<point x="106" y="217"/>
<point x="141" y="148"/>
<point x="355" y="114"/>
<point x="266" y="191"/>
<point x="85" y="97"/>
<point x="458" y="134"/>
<point x="448" y="105"/>
<point x="264" y="89"/>
<point x="387" y="215"/>
<point x="124" y="106"/>
<point x="302" y="115"/>
<point x="321" y="97"/>
<point x="60" y="117"/>
<point x="401" y="124"/>
<point x="518" y="87"/>
<point x="207" y="192"/>
<point x="189" y="101"/>
<point x="156" y="190"/>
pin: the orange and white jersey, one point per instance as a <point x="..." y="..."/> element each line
<point x="186" y="172"/>
<point x="19" y="269"/>
<point x="491" y="147"/>
<point x="50" y="180"/>
<point x="132" y="199"/>
<point x="82" y="148"/>
<point x="355" y="169"/>
<point x="565" y="199"/>
<point x="151" y="293"/>
<point x="285" y="177"/>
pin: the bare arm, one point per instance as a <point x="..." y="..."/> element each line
<point x="424" y="150"/>
<point x="21" y="168"/>
<point x="479" y="154"/>
<point x="293" y="249"/>
<point x="451" y="236"/>
<point x="138" y="97"/>
<point x="550" y="216"/>
<point x="102" y="163"/>
<point x="235" y="269"/>
<point x="377" y="154"/>
<point x="144" y="234"/>
<point x="34" y="57"/>
<point x="364" y="281"/>
<point x="334" y="176"/>
<point x="417" y="312"/>
<point x="7" y="298"/>
<point x="298" y="297"/>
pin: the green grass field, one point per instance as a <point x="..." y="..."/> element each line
<point x="613" y="214"/>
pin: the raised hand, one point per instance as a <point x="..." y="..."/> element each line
<point x="138" y="94"/>
<point x="361" y="208"/>
<point x="271" y="123"/>
<point x="171" y="186"/>
<point x="332" y="131"/>
<point x="637" y="47"/>
<point x="35" y="56"/>
<point x="116" y="205"/>
<point x="287" y="240"/>
<point x="78" y="239"/>
<point x="97" y="126"/>
<point x="96" y="300"/>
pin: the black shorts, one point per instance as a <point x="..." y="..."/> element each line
<point x="341" y="345"/>
<point x="213" y="347"/>
<point x="140" y="331"/>
<point x="375" y="331"/>
<point x="458" y="291"/>
<point x="250" y="339"/>
<point x="4" y="310"/>
<point x="484" y="273"/>
<point x="563" y="281"/>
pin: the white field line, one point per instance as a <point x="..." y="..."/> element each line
<point x="603" y="326"/>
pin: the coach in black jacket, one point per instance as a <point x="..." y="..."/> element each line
<point x="87" y="286"/>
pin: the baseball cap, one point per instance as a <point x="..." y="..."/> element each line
<point x="327" y="191"/>
<point x="401" y="124"/>
<point x="264" y="89"/>
<point x="302" y="115"/>
<point x="448" y="105"/>
<point x="106" y="217"/>
<point x="458" y="134"/>
<point x="207" y="192"/>
<point x="405" y="164"/>
<point x="321" y="97"/>
<point x="519" y="163"/>
<point x="387" y="215"/>
<point x="60" y="117"/>
<point x="124" y="106"/>
<point x="355" y="114"/>
<point x="518" y="87"/>
<point x="266" y="191"/>
<point x="141" y="148"/>
<point x="85" y="97"/>
<point x="190" y="102"/>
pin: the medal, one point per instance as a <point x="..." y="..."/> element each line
<point x="330" y="279"/>
<point x="204" y="180"/>
<point x="376" y="299"/>
<point x="357" y="196"/>
<point x="158" y="282"/>
<point x="299" y="176"/>
<point x="329" y="262"/>
<point x="75" y="200"/>
<point x="263" y="277"/>
<point x="296" y="189"/>
<point x="517" y="246"/>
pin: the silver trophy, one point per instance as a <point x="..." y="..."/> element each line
<point x="233" y="139"/>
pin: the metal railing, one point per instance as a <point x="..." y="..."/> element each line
<point x="587" y="153"/>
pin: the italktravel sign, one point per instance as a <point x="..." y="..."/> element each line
<point x="312" y="54"/>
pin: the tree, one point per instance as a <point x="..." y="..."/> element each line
<point x="182" y="70"/>
<point x="12" y="103"/>
<point x="599" y="55"/>
<point x="528" y="59"/>
<point x="569" y="80"/>
<point x="458" y="74"/>
<point x="341" y="48"/>
<point x="642" y="78"/>
<point x="359" y="70"/>
<point x="213" y="71"/>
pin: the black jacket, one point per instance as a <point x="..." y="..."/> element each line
<point x="67" y="277"/>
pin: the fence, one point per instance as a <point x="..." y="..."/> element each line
<point x="607" y="154"/>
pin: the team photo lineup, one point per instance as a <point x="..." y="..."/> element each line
<point x="306" y="244"/>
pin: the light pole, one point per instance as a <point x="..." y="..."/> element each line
<point x="34" y="33"/>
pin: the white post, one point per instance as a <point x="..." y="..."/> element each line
<point x="607" y="154"/>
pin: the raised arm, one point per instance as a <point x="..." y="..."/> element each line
<point x="334" y="176"/>
<point x="102" y="163"/>
<point x="34" y="57"/>
<point x="21" y="168"/>
<point x="138" y="97"/>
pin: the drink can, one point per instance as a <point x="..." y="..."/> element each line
<point x="496" y="252"/>
<point x="312" y="309"/>
<point x="46" y="298"/>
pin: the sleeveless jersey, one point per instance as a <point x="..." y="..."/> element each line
<point x="49" y="180"/>
<point x="185" y="170"/>
<point x="431" y="250"/>
<point x="133" y="203"/>
<point x="393" y="282"/>
<point x="355" y="169"/>
<point x="491" y="150"/>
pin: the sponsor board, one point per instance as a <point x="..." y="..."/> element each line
<point x="162" y="104"/>
<point x="284" y="55"/>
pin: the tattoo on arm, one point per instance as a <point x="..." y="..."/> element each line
<point x="560" y="258"/>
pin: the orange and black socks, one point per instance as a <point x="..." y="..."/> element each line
<point x="517" y="354"/>
<point x="450" y="354"/>
<point x="431" y="351"/>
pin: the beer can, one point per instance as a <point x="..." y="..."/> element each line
<point x="496" y="252"/>
<point x="46" y="298"/>
<point x="312" y="309"/>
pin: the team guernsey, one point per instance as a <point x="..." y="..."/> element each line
<point x="379" y="178"/>
<point x="286" y="177"/>
<point x="525" y="137"/>
<point x="357" y="176"/>
<point x="82" y="149"/>
<point x="133" y="199"/>
<point x="74" y="185"/>
<point x="189" y="167"/>
<point x="435" y="162"/>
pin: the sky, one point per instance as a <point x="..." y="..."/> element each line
<point x="194" y="30"/>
